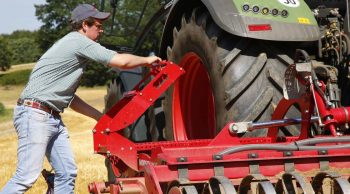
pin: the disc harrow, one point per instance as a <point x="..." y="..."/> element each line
<point x="229" y="163"/>
<point x="326" y="182"/>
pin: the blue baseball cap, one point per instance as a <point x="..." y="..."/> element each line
<point x="83" y="11"/>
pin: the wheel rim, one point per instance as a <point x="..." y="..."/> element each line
<point x="193" y="109"/>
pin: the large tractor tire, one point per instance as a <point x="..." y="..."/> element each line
<point x="228" y="78"/>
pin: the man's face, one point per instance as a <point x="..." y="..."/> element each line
<point x="93" y="32"/>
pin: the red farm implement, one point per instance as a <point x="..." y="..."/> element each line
<point x="230" y="162"/>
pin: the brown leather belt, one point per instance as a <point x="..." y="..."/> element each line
<point x="38" y="105"/>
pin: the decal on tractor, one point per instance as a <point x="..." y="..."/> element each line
<point x="290" y="3"/>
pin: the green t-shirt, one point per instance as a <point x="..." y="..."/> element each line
<point x="56" y="75"/>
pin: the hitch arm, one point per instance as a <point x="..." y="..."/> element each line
<point x="107" y="139"/>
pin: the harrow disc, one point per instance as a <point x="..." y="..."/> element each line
<point x="325" y="182"/>
<point x="256" y="184"/>
<point x="293" y="182"/>
<point x="189" y="189"/>
<point x="330" y="182"/>
<point x="221" y="185"/>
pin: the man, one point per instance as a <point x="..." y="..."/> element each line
<point x="51" y="88"/>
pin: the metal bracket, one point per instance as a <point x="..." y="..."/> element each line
<point x="241" y="127"/>
<point x="218" y="167"/>
<point x="254" y="165"/>
<point x="288" y="164"/>
<point x="324" y="163"/>
<point x="183" y="170"/>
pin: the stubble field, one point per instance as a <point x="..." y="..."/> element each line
<point x="90" y="166"/>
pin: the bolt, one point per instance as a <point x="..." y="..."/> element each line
<point x="233" y="128"/>
<point x="150" y="99"/>
<point x="140" y="93"/>
<point x="253" y="155"/>
<point x="217" y="157"/>
<point x="107" y="130"/>
<point x="108" y="154"/>
<point x="94" y="131"/>
<point x="130" y="148"/>
<point x="181" y="159"/>
<point x="122" y="148"/>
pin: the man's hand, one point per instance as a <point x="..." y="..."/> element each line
<point x="152" y="59"/>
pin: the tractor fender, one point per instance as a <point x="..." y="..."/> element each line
<point x="298" y="24"/>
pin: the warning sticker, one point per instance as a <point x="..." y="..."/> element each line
<point x="303" y="20"/>
<point x="290" y="3"/>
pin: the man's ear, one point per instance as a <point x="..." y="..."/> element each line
<point x="84" y="26"/>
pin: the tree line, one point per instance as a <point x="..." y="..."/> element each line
<point x="17" y="48"/>
<point x="129" y="18"/>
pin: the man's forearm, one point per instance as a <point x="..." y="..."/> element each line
<point x="82" y="107"/>
<point x="127" y="61"/>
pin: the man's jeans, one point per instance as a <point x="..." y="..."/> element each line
<point x="40" y="133"/>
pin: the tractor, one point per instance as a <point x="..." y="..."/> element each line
<point x="255" y="95"/>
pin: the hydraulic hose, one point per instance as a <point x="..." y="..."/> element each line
<point x="279" y="147"/>
<point x="314" y="141"/>
<point x="291" y="147"/>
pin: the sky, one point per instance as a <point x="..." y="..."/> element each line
<point x="18" y="15"/>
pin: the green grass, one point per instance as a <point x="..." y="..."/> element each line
<point x="6" y="115"/>
<point x="15" y="78"/>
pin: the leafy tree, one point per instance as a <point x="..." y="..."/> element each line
<point x="21" y="34"/>
<point x="130" y="19"/>
<point x="24" y="48"/>
<point x="5" y="55"/>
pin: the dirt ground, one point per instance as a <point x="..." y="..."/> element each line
<point x="90" y="166"/>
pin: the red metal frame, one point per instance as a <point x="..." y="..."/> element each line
<point x="159" y="162"/>
<point x="130" y="108"/>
